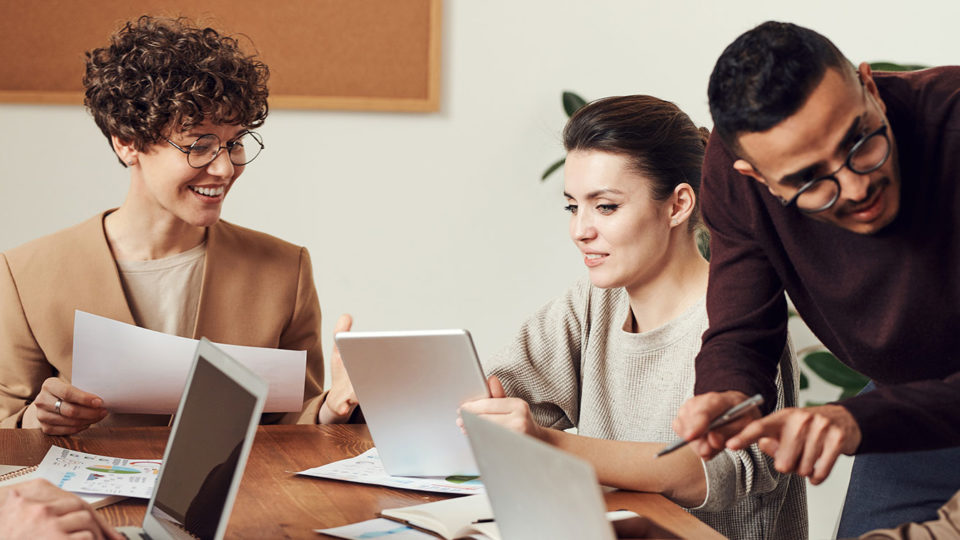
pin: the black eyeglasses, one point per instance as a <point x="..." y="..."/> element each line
<point x="866" y="156"/>
<point x="242" y="149"/>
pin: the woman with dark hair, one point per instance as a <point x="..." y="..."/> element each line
<point x="178" y="105"/>
<point x="614" y="357"/>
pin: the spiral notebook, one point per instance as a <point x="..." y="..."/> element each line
<point x="14" y="474"/>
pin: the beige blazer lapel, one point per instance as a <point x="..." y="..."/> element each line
<point x="105" y="277"/>
<point x="220" y="265"/>
<point x="78" y="266"/>
<point x="245" y="297"/>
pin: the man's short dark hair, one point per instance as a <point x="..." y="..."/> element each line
<point x="765" y="76"/>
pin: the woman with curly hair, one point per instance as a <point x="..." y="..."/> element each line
<point x="178" y="105"/>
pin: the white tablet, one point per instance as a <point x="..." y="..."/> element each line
<point x="410" y="385"/>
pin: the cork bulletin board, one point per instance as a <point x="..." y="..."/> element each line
<point x="323" y="54"/>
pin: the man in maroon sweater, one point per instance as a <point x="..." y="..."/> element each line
<point x="840" y="187"/>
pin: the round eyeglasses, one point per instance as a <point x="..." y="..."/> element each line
<point x="868" y="155"/>
<point x="242" y="149"/>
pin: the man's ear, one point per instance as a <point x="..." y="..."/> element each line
<point x="744" y="167"/>
<point x="125" y="151"/>
<point x="866" y="77"/>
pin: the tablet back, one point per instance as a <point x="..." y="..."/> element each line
<point x="410" y="385"/>
<point x="536" y="490"/>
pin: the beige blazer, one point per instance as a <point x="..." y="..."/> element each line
<point x="257" y="290"/>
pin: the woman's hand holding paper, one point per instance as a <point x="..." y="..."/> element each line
<point x="63" y="409"/>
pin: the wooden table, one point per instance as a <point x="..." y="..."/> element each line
<point x="273" y="502"/>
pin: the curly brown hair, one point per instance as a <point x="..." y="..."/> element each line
<point x="158" y="75"/>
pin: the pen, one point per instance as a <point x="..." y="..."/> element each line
<point x="730" y="415"/>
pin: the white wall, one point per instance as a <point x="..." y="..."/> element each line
<point x="440" y="220"/>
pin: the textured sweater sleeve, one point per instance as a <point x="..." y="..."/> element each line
<point x="745" y="299"/>
<point x="732" y="475"/>
<point x="542" y="364"/>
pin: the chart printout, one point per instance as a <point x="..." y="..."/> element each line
<point x="80" y="472"/>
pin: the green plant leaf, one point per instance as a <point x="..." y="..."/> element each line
<point x="831" y="370"/>
<point x="572" y="102"/>
<point x="891" y="66"/>
<point x="552" y="168"/>
<point x="849" y="392"/>
<point x="703" y="242"/>
<point x="804" y="381"/>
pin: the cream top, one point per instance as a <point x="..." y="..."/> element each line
<point x="164" y="293"/>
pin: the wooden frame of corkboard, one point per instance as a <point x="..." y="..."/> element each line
<point x="381" y="55"/>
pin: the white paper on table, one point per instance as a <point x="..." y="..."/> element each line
<point x="376" y="528"/>
<point x="136" y="370"/>
<point x="368" y="469"/>
<point x="81" y="472"/>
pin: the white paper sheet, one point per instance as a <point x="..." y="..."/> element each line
<point x="376" y="528"/>
<point x="136" y="370"/>
<point x="81" y="472"/>
<point x="368" y="469"/>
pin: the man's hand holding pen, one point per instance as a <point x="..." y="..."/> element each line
<point x="805" y="441"/>
<point x="694" y="417"/>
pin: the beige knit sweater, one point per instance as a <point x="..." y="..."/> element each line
<point x="577" y="367"/>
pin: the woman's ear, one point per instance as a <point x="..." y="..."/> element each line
<point x="125" y="151"/>
<point x="682" y="204"/>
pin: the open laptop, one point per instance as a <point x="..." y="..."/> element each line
<point x="538" y="491"/>
<point x="208" y="447"/>
<point x="410" y="385"/>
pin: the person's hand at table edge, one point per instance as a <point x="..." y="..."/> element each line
<point x="38" y="509"/>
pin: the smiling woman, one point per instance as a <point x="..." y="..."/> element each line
<point x="614" y="356"/>
<point x="177" y="104"/>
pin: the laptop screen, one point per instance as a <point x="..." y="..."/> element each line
<point x="204" y="451"/>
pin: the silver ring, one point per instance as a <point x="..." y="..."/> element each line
<point x="57" y="406"/>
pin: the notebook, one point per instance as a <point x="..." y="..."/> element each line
<point x="207" y="450"/>
<point x="461" y="517"/>
<point x="538" y="491"/>
<point x="410" y="385"/>
<point x="14" y="474"/>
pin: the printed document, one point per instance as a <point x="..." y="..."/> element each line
<point x="367" y="469"/>
<point x="81" y="472"/>
<point x="136" y="370"/>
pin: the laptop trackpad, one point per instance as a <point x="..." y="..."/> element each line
<point x="133" y="533"/>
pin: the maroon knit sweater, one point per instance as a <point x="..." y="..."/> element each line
<point x="886" y="304"/>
